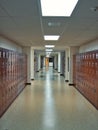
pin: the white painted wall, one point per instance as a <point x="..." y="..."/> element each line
<point x="66" y="64"/>
<point x="4" y="43"/>
<point x="61" y="68"/>
<point x="56" y="62"/>
<point x="39" y="62"/>
<point x="27" y="51"/>
<point x="32" y="63"/>
<point x="89" y="47"/>
<point x="59" y="62"/>
<point x="72" y="51"/>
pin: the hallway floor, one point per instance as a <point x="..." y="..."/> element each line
<point x="50" y="104"/>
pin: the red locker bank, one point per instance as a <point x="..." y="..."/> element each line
<point x="13" y="76"/>
<point x="85" y="75"/>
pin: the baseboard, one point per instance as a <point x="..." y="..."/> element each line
<point x="28" y="83"/>
<point x="32" y="79"/>
<point x="61" y="74"/>
<point x="70" y="84"/>
<point x="66" y="80"/>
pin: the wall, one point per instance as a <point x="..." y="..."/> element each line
<point x="32" y="63"/>
<point x="72" y="51"/>
<point x="59" y="62"/>
<point x="89" y="47"/>
<point x="66" y="65"/>
<point x="27" y="51"/>
<point x="13" y="72"/>
<point x="56" y="62"/>
<point x="63" y="63"/>
<point x="39" y="62"/>
<point x="7" y="44"/>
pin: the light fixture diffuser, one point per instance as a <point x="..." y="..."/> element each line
<point x="51" y="37"/>
<point x="58" y="7"/>
<point x="49" y="46"/>
<point x="49" y="50"/>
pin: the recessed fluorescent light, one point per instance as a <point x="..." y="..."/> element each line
<point x="49" y="46"/>
<point x="58" y="7"/>
<point x="49" y="50"/>
<point x="51" y="37"/>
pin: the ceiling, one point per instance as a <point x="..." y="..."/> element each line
<point x="21" y="21"/>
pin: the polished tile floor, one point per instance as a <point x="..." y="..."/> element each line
<point x="50" y="104"/>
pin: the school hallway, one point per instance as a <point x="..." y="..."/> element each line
<point x="50" y="104"/>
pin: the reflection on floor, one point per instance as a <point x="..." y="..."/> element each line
<point x="50" y="104"/>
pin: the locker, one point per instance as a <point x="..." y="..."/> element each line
<point x="85" y="75"/>
<point x="13" y="76"/>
